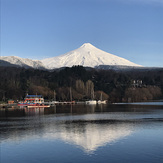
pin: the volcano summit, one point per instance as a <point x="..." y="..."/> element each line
<point x="88" y="56"/>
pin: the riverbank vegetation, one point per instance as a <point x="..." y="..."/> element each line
<point x="114" y="86"/>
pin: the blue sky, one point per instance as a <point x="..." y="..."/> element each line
<point x="37" y="29"/>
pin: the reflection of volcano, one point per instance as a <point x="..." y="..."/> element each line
<point x="92" y="135"/>
<point x="85" y="131"/>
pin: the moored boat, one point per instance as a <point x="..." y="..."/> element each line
<point x="102" y="101"/>
<point x="32" y="100"/>
<point x="91" y="102"/>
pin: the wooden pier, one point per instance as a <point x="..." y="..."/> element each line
<point x="61" y="103"/>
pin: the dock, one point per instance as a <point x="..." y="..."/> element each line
<point x="60" y="103"/>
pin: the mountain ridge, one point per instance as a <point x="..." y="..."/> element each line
<point x="22" y="62"/>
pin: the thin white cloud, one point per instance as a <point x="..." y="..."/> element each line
<point x="143" y="1"/>
<point x="134" y="1"/>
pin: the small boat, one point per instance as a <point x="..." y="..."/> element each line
<point x="91" y="102"/>
<point x="101" y="101"/>
<point x="32" y="100"/>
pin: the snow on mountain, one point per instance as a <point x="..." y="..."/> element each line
<point x="88" y="56"/>
<point x="22" y="62"/>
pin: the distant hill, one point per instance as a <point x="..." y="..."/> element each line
<point x="14" y="61"/>
<point x="7" y="64"/>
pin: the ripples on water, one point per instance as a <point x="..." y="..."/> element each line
<point x="83" y="133"/>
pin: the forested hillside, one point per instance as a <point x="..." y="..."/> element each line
<point x="115" y="86"/>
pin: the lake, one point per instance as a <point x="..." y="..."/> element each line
<point x="115" y="133"/>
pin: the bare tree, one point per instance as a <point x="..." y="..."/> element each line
<point x="90" y="89"/>
<point x="80" y="87"/>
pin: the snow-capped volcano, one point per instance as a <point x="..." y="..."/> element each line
<point x="88" y="56"/>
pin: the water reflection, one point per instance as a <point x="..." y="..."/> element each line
<point x="86" y="131"/>
<point x="86" y="127"/>
<point x="74" y="109"/>
<point x="89" y="136"/>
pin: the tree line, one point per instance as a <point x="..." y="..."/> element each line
<point x="78" y="83"/>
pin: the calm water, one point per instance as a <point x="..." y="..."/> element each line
<point x="80" y="133"/>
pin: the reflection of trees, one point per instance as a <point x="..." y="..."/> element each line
<point x="78" y="109"/>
